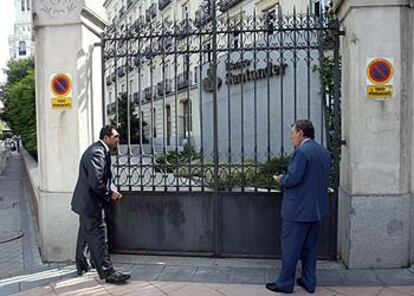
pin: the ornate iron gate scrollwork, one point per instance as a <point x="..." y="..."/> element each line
<point x="205" y="103"/>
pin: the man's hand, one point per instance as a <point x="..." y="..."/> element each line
<point x="278" y="179"/>
<point x="116" y="195"/>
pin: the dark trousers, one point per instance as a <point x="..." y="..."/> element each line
<point x="92" y="236"/>
<point x="299" y="240"/>
<point x="82" y="250"/>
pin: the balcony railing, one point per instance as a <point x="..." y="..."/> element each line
<point x="226" y="4"/>
<point x="164" y="43"/>
<point x="111" y="108"/>
<point x="136" y="62"/>
<point x="163" y="3"/>
<point x="164" y="87"/>
<point x="151" y="12"/>
<point x="129" y="3"/>
<point x="120" y="71"/>
<point x="121" y="12"/>
<point x="183" y="30"/>
<point x="131" y="64"/>
<point x="202" y="17"/>
<point x="135" y="98"/>
<point x="139" y="23"/>
<point x="184" y="80"/>
<point x="149" y="92"/>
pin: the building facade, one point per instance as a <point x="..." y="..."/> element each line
<point x="20" y="43"/>
<point x="166" y="89"/>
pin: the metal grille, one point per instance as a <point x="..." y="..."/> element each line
<point x="207" y="103"/>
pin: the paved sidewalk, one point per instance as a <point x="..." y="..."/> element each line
<point x="23" y="273"/>
<point x="19" y="251"/>
<point x="177" y="276"/>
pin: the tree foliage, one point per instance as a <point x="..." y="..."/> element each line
<point x="18" y="69"/>
<point x="19" y="102"/>
<point x="135" y="124"/>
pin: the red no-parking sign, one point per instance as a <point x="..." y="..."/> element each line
<point x="380" y="72"/>
<point x="61" y="91"/>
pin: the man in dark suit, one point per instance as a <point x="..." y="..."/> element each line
<point x="305" y="203"/>
<point x="93" y="191"/>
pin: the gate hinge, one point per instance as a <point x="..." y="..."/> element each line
<point x="342" y="142"/>
<point x="340" y="33"/>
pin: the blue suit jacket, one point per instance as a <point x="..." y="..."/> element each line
<point x="305" y="185"/>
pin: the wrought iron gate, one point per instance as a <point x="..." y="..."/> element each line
<point x="205" y="106"/>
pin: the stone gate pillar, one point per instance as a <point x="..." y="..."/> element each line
<point x="377" y="165"/>
<point x="69" y="110"/>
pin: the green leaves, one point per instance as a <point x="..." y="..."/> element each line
<point x="19" y="102"/>
<point x="122" y="126"/>
<point x="18" y="69"/>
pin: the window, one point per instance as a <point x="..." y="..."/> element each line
<point x="208" y="52"/>
<point x="316" y="8"/>
<point x="109" y="107"/>
<point x="236" y="40"/>
<point x="186" y="64"/>
<point x="22" y="3"/>
<point x="187" y="112"/>
<point x="168" y="107"/>
<point x="184" y="11"/>
<point x="167" y="69"/>
<point x="271" y="18"/>
<point x="154" y="122"/>
<point x="22" y="48"/>
<point x="27" y="5"/>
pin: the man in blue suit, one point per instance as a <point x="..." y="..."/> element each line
<point x="305" y="203"/>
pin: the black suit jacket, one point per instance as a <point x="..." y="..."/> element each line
<point x="92" y="189"/>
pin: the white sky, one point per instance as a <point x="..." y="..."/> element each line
<point x="7" y="17"/>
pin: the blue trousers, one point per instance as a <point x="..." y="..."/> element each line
<point x="299" y="240"/>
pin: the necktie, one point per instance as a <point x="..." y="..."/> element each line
<point x="108" y="158"/>
<point x="109" y="166"/>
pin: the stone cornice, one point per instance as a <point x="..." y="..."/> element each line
<point x="342" y="7"/>
<point x="93" y="17"/>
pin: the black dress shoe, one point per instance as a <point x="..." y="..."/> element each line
<point x="272" y="287"/>
<point x="300" y="283"/>
<point x="117" y="277"/>
<point x="81" y="268"/>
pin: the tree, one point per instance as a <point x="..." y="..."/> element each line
<point x="20" y="112"/>
<point x="19" y="102"/>
<point x="123" y="122"/>
<point x="17" y="70"/>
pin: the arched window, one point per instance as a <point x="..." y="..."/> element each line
<point x="22" y="48"/>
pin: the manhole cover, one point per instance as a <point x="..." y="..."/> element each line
<point x="6" y="236"/>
